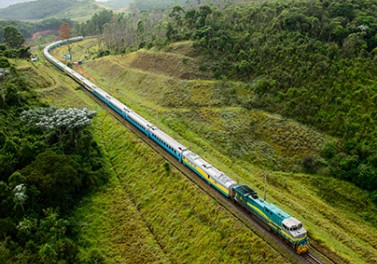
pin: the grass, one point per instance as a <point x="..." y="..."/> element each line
<point x="214" y="120"/>
<point x="148" y="213"/>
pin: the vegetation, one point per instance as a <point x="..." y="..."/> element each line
<point x="314" y="62"/>
<point x="43" y="9"/>
<point x="244" y="143"/>
<point x="133" y="218"/>
<point x="27" y="29"/>
<point x="11" y="2"/>
<point x="117" y="4"/>
<point x="95" y="25"/>
<point x="48" y="161"/>
<point x="12" y="37"/>
<point x="150" y="5"/>
<point x="13" y="46"/>
<point x="311" y="61"/>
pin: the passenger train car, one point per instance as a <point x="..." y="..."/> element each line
<point x="277" y="220"/>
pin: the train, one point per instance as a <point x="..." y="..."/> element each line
<point x="286" y="226"/>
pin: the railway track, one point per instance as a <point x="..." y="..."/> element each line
<point x="312" y="259"/>
<point x="251" y="221"/>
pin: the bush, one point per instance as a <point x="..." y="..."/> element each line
<point x="4" y="63"/>
<point x="309" y="164"/>
<point x="329" y="150"/>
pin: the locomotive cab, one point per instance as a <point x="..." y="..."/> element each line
<point x="294" y="227"/>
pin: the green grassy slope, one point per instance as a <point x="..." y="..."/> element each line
<point x="117" y="4"/>
<point x="41" y="9"/>
<point x="147" y="214"/>
<point x="246" y="144"/>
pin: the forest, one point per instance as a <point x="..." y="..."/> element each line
<point x="28" y="28"/>
<point x="43" y="9"/>
<point x="312" y="61"/>
<point x="48" y="162"/>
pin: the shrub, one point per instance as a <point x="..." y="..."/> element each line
<point x="4" y="63"/>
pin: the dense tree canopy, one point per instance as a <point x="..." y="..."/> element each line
<point x="312" y="61"/>
<point x="12" y="37"/>
<point x="27" y="28"/>
<point x="95" y="25"/>
<point x="48" y="161"/>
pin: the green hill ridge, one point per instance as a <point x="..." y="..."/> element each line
<point x="42" y="9"/>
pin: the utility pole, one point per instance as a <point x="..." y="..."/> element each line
<point x="265" y="185"/>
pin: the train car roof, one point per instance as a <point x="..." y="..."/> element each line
<point x="120" y="106"/>
<point x="218" y="175"/>
<point x="141" y="121"/>
<point x="178" y="147"/>
<point x="102" y="93"/>
<point x="191" y="156"/>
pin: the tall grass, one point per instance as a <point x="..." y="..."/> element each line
<point x="149" y="212"/>
<point x="246" y="143"/>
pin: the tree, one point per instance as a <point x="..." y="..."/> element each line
<point x="173" y="31"/>
<point x="12" y="37"/>
<point x="56" y="176"/>
<point x="140" y="29"/>
<point x="20" y="196"/>
<point x="65" y="33"/>
<point x="61" y="121"/>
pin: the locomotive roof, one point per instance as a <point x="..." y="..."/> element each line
<point x="291" y="221"/>
<point x="277" y="211"/>
<point x="250" y="194"/>
<point x="246" y="191"/>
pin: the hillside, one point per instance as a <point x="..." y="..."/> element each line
<point x="148" y="212"/>
<point x="42" y="9"/>
<point x="117" y="4"/>
<point x="149" y="5"/>
<point x="6" y="3"/>
<point x="27" y="29"/>
<point x="314" y="62"/>
<point x="245" y="143"/>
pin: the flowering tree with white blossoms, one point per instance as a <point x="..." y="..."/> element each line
<point x="59" y="120"/>
<point x="20" y="196"/>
